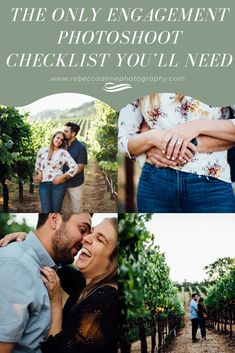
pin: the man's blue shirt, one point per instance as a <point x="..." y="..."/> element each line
<point x="79" y="153"/>
<point x="193" y="310"/>
<point x="24" y="303"/>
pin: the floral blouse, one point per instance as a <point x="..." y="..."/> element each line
<point x="166" y="112"/>
<point x="53" y="168"/>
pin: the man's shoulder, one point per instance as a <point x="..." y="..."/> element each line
<point x="77" y="149"/>
<point x="193" y="303"/>
<point x="18" y="254"/>
<point x="80" y="144"/>
<point x="14" y="250"/>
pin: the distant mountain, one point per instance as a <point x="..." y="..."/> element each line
<point x="85" y="109"/>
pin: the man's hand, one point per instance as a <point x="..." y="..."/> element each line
<point x="59" y="180"/>
<point x="158" y="158"/>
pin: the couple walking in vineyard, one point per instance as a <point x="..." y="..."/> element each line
<point x="198" y="317"/>
<point x="60" y="171"/>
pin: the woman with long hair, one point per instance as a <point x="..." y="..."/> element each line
<point x="88" y="321"/>
<point x="190" y="139"/>
<point x="201" y="308"/>
<point x="49" y="168"/>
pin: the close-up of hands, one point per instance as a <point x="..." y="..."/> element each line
<point x="159" y="159"/>
<point x="176" y="142"/>
<point x="58" y="180"/>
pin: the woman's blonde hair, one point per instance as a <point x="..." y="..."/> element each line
<point x="179" y="97"/>
<point x="110" y="276"/>
<point x="63" y="145"/>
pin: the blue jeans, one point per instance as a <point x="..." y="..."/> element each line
<point x="166" y="190"/>
<point x="202" y="325"/>
<point x="51" y="196"/>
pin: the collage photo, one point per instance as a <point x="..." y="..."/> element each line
<point x="117" y="176"/>
<point x="116" y="227"/>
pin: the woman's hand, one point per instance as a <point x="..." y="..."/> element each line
<point x="17" y="236"/>
<point x="177" y="140"/>
<point x="52" y="283"/>
<point x="38" y="177"/>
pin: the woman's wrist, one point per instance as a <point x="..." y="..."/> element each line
<point x="141" y="143"/>
<point x="56" y="303"/>
<point x="196" y="127"/>
<point x="202" y="126"/>
<point x="156" y="137"/>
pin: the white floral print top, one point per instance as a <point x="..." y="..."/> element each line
<point x="168" y="112"/>
<point x="53" y="168"/>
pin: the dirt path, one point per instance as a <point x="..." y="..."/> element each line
<point x="183" y="342"/>
<point x="214" y="344"/>
<point x="97" y="197"/>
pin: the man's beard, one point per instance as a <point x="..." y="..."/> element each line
<point x="61" y="245"/>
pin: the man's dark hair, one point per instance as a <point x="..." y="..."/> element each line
<point x="74" y="127"/>
<point x="194" y="294"/>
<point x="42" y="218"/>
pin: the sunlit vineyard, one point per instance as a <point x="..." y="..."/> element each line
<point x="155" y="311"/>
<point x="219" y="298"/>
<point x="22" y="137"/>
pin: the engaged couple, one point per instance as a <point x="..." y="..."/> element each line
<point x="197" y="312"/>
<point x="31" y="270"/>
<point x="60" y="171"/>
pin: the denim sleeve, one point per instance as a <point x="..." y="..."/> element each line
<point x="16" y="288"/>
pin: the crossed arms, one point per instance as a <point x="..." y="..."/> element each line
<point x="172" y="145"/>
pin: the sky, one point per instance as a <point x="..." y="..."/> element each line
<point x="192" y="241"/>
<point x="60" y="101"/>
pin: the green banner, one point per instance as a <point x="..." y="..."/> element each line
<point x="117" y="51"/>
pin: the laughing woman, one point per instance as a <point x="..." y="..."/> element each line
<point x="88" y="321"/>
<point x="49" y="169"/>
<point x="185" y="147"/>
